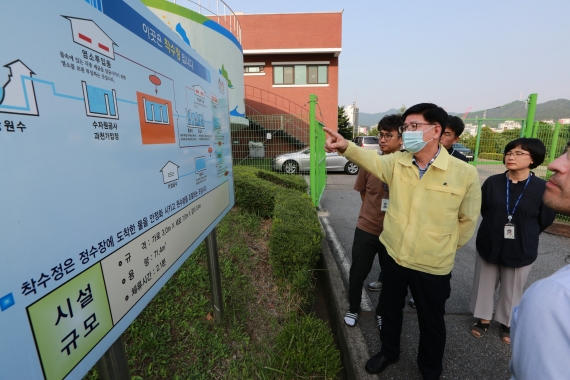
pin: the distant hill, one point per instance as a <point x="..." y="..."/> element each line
<point x="551" y="110"/>
<point x="369" y="119"/>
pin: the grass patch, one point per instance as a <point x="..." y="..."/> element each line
<point x="265" y="335"/>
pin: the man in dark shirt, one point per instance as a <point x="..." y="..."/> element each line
<point x="450" y="136"/>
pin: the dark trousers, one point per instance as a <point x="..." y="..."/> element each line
<point x="430" y="293"/>
<point x="364" y="249"/>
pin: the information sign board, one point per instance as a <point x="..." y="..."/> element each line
<point x="116" y="164"/>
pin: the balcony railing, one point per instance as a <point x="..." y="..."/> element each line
<point x="217" y="10"/>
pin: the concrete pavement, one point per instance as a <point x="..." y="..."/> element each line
<point x="465" y="357"/>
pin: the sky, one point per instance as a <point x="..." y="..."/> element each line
<point x="457" y="54"/>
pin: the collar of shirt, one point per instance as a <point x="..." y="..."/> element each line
<point x="423" y="171"/>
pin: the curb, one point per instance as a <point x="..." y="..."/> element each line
<point x="353" y="348"/>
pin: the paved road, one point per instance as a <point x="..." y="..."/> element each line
<point x="465" y="357"/>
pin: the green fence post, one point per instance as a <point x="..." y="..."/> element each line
<point x="530" y="114"/>
<point x="479" y="127"/>
<point x="552" y="153"/>
<point x="313" y="140"/>
<point x="535" y="129"/>
<point x="523" y="126"/>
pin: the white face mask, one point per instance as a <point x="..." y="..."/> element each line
<point x="414" y="140"/>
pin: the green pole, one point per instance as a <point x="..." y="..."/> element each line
<point x="523" y="126"/>
<point x="313" y="147"/>
<point x="479" y="127"/>
<point x="535" y="129"/>
<point x="552" y="153"/>
<point x="530" y="114"/>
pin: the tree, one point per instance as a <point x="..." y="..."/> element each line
<point x="402" y="110"/>
<point x="373" y="131"/>
<point x="344" y="127"/>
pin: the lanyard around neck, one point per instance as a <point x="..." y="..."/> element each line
<point x="509" y="213"/>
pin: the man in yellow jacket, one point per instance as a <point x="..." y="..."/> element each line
<point x="433" y="211"/>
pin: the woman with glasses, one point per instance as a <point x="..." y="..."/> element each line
<point x="507" y="241"/>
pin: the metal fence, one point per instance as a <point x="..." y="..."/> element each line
<point x="487" y="138"/>
<point x="267" y="139"/>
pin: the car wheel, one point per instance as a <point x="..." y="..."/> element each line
<point x="290" y="167"/>
<point x="351" y="168"/>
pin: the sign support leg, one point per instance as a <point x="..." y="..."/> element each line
<point x="113" y="364"/>
<point x="214" y="273"/>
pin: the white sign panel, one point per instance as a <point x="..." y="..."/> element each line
<point x="116" y="163"/>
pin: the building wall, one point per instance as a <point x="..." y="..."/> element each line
<point x="311" y="31"/>
<point x="327" y="96"/>
<point x="291" y="30"/>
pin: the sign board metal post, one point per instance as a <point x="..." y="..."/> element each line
<point x="113" y="364"/>
<point x="214" y="273"/>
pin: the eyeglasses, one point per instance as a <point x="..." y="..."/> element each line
<point x="387" y="136"/>
<point x="516" y="154"/>
<point x="412" y="127"/>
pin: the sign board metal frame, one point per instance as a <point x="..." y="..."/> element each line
<point x="115" y="142"/>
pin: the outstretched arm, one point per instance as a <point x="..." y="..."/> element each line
<point x="335" y="141"/>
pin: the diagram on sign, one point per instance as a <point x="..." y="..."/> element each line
<point x="88" y="34"/>
<point x="100" y="102"/>
<point x="170" y="172"/>
<point x="155" y="115"/>
<point x="200" y="164"/>
<point x="18" y="94"/>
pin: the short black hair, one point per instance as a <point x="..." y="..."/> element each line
<point x="431" y="112"/>
<point x="391" y="123"/>
<point x="456" y="124"/>
<point x="535" y="147"/>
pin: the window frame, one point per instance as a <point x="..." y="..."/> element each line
<point x="307" y="66"/>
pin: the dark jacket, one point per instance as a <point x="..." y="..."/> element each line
<point x="457" y="154"/>
<point x="530" y="219"/>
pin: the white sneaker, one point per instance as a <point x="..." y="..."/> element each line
<point x="350" y="319"/>
<point x="375" y="286"/>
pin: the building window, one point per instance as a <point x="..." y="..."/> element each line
<point x="300" y="74"/>
<point x="253" y="69"/>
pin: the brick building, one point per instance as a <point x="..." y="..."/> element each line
<point x="287" y="57"/>
<point x="293" y="55"/>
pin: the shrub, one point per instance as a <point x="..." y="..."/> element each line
<point x="491" y="156"/>
<point x="295" y="241"/>
<point x="294" y="182"/>
<point x="253" y="193"/>
<point x="305" y="348"/>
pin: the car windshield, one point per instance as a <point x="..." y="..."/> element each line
<point x="460" y="146"/>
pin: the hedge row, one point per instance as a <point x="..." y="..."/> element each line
<point x="305" y="346"/>
<point x="491" y="156"/>
<point x="295" y="241"/>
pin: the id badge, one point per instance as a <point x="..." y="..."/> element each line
<point x="384" y="204"/>
<point x="509" y="231"/>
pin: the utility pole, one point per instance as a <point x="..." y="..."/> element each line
<point x="353" y="118"/>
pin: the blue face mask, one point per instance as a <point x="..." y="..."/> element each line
<point x="414" y="140"/>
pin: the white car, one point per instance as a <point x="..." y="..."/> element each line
<point x="293" y="163"/>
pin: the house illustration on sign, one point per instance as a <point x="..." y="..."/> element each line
<point x="198" y="90"/>
<point x="18" y="94"/>
<point x="170" y="172"/>
<point x="87" y="33"/>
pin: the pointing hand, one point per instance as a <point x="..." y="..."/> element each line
<point x="335" y="141"/>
